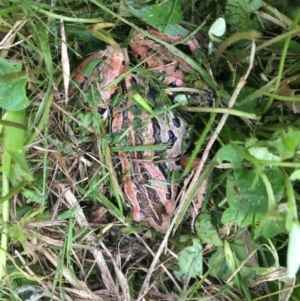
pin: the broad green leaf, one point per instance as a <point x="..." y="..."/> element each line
<point x="287" y="143"/>
<point x="294" y="46"/>
<point x="206" y="230"/>
<point x="271" y="226"/>
<point x="228" y="154"/>
<point x="263" y="153"/>
<point x="249" y="106"/>
<point x="14" y="146"/>
<point x="12" y="91"/>
<point x="218" y="264"/>
<point x="229" y="257"/>
<point x="240" y="218"/>
<point x="236" y="253"/>
<point x="238" y="13"/>
<point x="295" y="175"/>
<point x="164" y="17"/>
<point x="247" y="193"/>
<point x="190" y="260"/>
<point x="240" y="253"/>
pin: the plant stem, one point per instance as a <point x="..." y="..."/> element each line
<point x="6" y="162"/>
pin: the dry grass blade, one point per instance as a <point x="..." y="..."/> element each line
<point x="92" y="240"/>
<point x="123" y="282"/>
<point x="82" y="288"/>
<point x="65" y="60"/>
<point x="7" y="41"/>
<point x="45" y="284"/>
<point x="273" y="19"/>
<point x="266" y="44"/>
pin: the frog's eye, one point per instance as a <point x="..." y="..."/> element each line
<point x="103" y="111"/>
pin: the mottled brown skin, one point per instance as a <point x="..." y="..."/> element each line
<point x="148" y="186"/>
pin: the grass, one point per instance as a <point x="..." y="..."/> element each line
<point x="66" y="228"/>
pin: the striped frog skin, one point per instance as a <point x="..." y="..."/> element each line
<point x="148" y="175"/>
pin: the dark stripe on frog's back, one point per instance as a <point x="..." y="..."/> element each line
<point x="125" y="119"/>
<point x="156" y="130"/>
<point x="145" y="195"/>
<point x="139" y="139"/>
<point x="164" y="169"/>
<point x="145" y="179"/>
<point x="140" y="175"/>
<point x="123" y="106"/>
